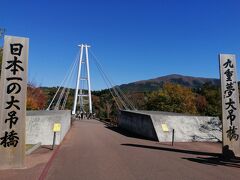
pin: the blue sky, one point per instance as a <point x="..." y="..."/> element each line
<point x="133" y="39"/>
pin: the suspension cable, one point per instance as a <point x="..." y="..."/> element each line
<point x="109" y="83"/>
<point x="104" y="79"/>
<point x="73" y="66"/>
<point x="124" y="100"/>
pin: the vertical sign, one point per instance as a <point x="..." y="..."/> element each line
<point x="230" y="103"/>
<point x="13" y="102"/>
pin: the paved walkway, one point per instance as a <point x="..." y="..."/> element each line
<point x="92" y="151"/>
<point x="35" y="163"/>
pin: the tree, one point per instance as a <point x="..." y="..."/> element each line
<point x="201" y="104"/>
<point x="36" y="99"/>
<point x="213" y="98"/>
<point x="138" y="99"/>
<point x="172" y="98"/>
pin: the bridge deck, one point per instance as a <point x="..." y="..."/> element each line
<point x="93" y="151"/>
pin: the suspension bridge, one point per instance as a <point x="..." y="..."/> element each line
<point x="82" y="97"/>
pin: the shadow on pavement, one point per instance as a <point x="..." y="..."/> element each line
<point x="216" y="161"/>
<point x="172" y="150"/>
<point x="125" y="133"/>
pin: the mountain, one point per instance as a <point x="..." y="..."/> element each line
<point x="157" y="83"/>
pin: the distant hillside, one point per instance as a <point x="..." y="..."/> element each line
<point x="157" y="83"/>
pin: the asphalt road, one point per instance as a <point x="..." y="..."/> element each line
<point x="93" y="151"/>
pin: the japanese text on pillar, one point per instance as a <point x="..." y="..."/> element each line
<point x="230" y="104"/>
<point x="14" y="66"/>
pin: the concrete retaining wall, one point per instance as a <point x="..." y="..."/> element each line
<point x="138" y="123"/>
<point x="39" y="125"/>
<point x="187" y="128"/>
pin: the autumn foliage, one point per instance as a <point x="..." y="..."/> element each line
<point x="36" y="99"/>
<point x="172" y="98"/>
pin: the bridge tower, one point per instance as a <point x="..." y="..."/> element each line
<point x="82" y="77"/>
